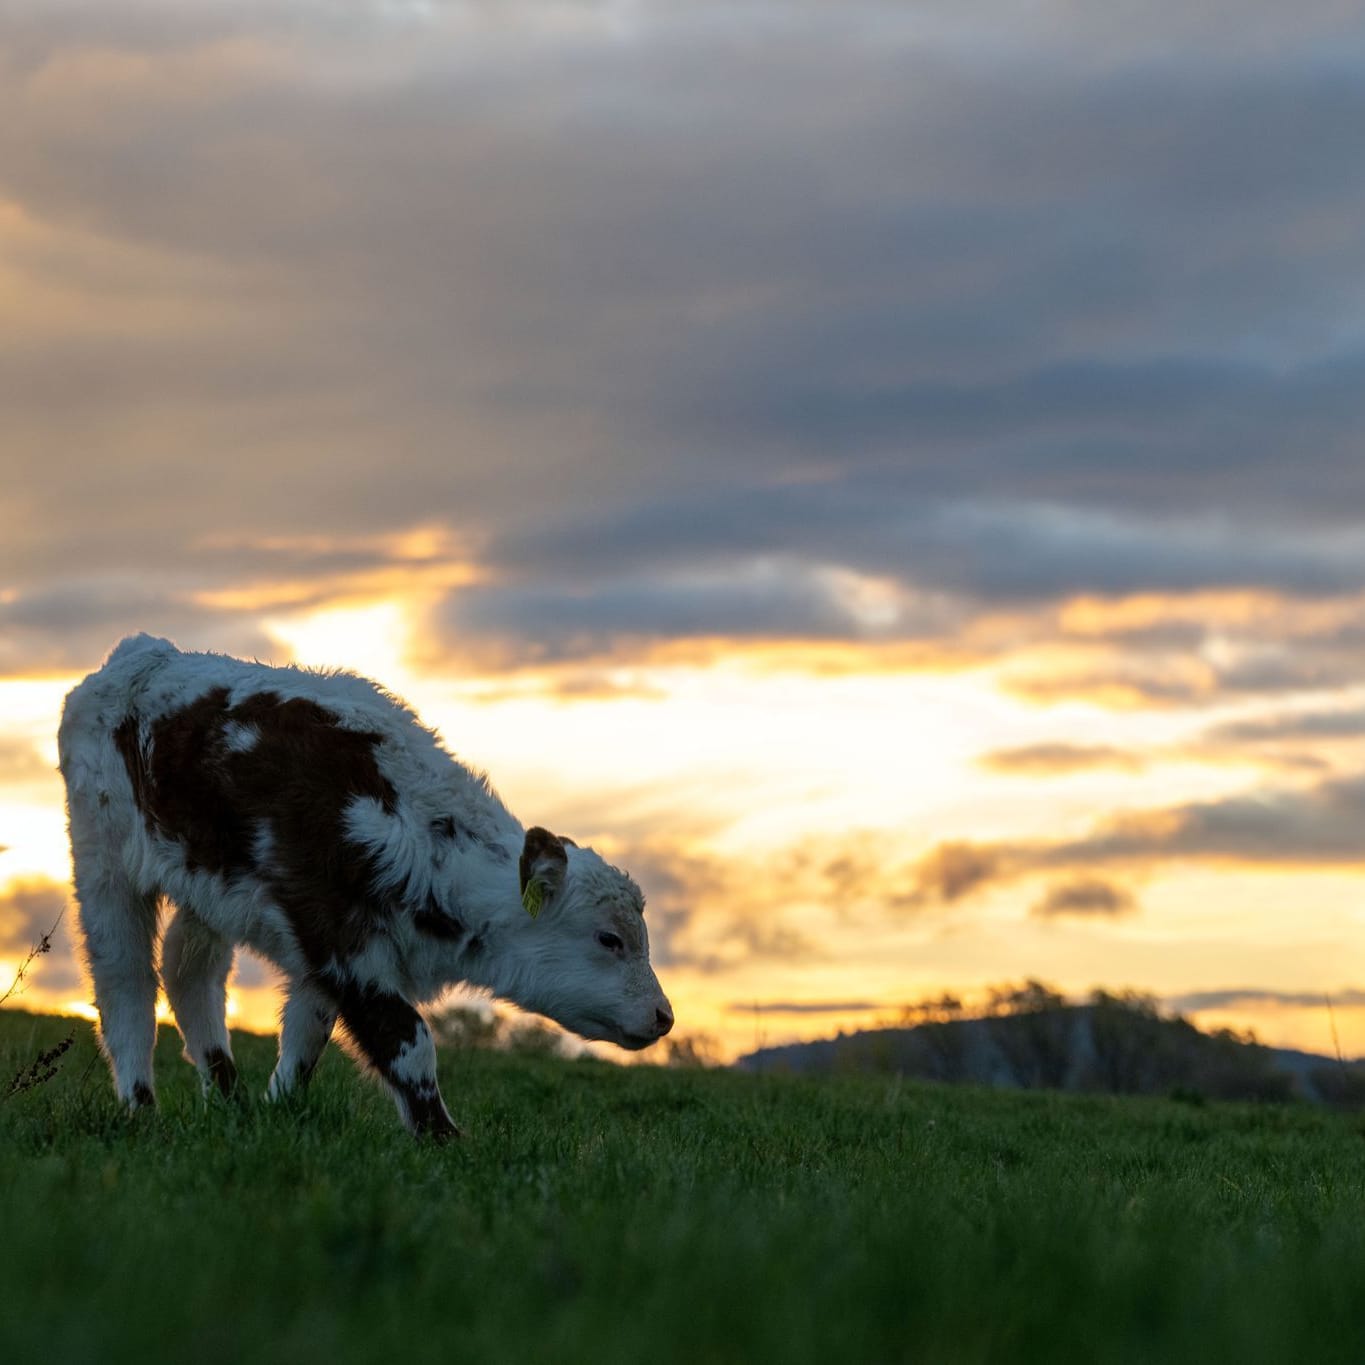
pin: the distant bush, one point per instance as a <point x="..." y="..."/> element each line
<point x="1033" y="1029"/>
<point x="692" y="1051"/>
<point x="467" y="1027"/>
<point x="1132" y="1045"/>
<point x="464" y="1026"/>
<point x="1339" y="1085"/>
<point x="946" y="1051"/>
<point x="1226" y="1065"/>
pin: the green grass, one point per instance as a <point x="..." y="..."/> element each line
<point x="604" y="1214"/>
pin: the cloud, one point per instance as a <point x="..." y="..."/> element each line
<point x="1318" y="826"/>
<point x="951" y="871"/>
<point x="71" y="627"/>
<point x="1263" y="997"/>
<point x="638" y="305"/>
<point x="1218" y="745"/>
<point x="777" y="599"/>
<point x="552" y="622"/>
<point x="714" y="914"/>
<point x="1292" y="725"/>
<point x="29" y="908"/>
<point x="1023" y="550"/>
<point x="21" y="764"/>
<point x="1203" y="649"/>
<point x="802" y="1006"/>
<point x="1084" y="896"/>
<point x="1044" y="760"/>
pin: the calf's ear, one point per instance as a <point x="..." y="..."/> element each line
<point x="543" y="864"/>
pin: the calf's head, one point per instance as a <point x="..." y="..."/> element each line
<point x="584" y="945"/>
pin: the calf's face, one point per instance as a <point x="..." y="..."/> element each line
<point x="588" y="946"/>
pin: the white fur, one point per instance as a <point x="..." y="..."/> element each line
<point x="195" y="962"/>
<point x="242" y="739"/>
<point x="306" y="1024"/>
<point x="553" y="964"/>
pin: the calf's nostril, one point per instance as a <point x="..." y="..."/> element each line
<point x="664" y="1020"/>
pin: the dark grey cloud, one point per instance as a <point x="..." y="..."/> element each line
<point x="802" y="1006"/>
<point x="767" y="563"/>
<point x="29" y="909"/>
<point x="1001" y="551"/>
<point x="636" y="298"/>
<point x="1085" y="896"/>
<point x="1300" y="725"/>
<point x="1250" y="997"/>
<point x="74" y="626"/>
<point x="585" y="621"/>
<point x="776" y="599"/>
<point x="1316" y="826"/>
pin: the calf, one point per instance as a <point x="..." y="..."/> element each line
<point x="311" y="817"/>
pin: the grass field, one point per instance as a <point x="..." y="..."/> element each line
<point x="604" y="1214"/>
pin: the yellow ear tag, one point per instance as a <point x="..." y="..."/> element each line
<point x="533" y="898"/>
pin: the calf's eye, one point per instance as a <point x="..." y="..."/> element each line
<point x="610" y="941"/>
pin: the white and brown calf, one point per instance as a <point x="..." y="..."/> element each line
<point x="312" y="818"/>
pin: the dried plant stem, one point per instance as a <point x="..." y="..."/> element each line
<point x="44" y="945"/>
<point x="40" y="1070"/>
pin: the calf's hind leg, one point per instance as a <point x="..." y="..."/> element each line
<point x="195" y="962"/>
<point x="119" y="924"/>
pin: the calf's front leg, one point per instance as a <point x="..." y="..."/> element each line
<point x="309" y="1017"/>
<point x="393" y="1038"/>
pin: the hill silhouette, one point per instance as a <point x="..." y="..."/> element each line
<point x="1030" y="1037"/>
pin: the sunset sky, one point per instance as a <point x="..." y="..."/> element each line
<point x="890" y="475"/>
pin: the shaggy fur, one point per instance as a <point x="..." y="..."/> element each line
<point x="311" y="817"/>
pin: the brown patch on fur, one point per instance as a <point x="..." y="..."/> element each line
<point x="126" y="742"/>
<point x="435" y="923"/>
<point x="296" y="781"/>
<point x="190" y="794"/>
<point x="381" y="1026"/>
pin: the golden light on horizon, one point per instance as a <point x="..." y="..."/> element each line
<point x="796" y="797"/>
<point x="35" y="841"/>
<point x="368" y="638"/>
